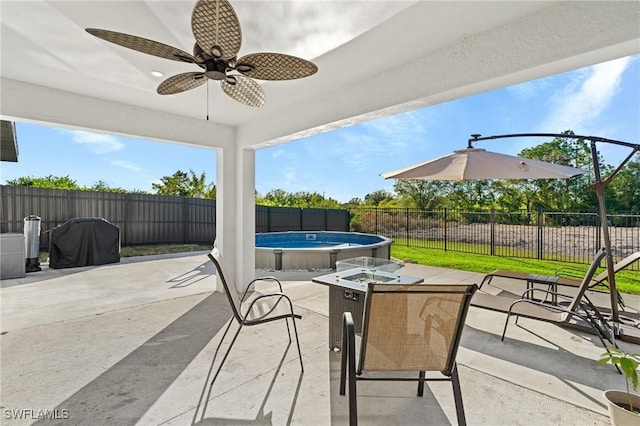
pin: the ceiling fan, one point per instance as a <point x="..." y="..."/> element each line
<point x="216" y="29"/>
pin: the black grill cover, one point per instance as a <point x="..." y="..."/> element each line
<point x="83" y="242"/>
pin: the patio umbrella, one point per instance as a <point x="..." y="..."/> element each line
<point x="476" y="163"/>
<point x="472" y="163"/>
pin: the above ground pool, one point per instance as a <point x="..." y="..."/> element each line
<point x="309" y="250"/>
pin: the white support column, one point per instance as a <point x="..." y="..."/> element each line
<point x="235" y="212"/>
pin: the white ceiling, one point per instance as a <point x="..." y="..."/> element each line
<point x="374" y="58"/>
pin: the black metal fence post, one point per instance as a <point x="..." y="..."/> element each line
<point x="376" y="225"/>
<point x="445" y="229"/>
<point x="407" y="225"/>
<point x="492" y="245"/>
<point x="540" y="233"/>
<point x="598" y="229"/>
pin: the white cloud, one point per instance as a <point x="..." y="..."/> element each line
<point x="585" y="97"/>
<point x="378" y="140"/>
<point x="278" y="153"/>
<point x="98" y="143"/>
<point x="126" y="165"/>
<point x="528" y="89"/>
<point x="287" y="175"/>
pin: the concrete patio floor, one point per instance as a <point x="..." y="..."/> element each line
<point x="133" y="343"/>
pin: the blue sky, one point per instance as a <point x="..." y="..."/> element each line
<point x="601" y="100"/>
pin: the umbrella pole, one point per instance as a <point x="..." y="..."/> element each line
<point x="600" y="186"/>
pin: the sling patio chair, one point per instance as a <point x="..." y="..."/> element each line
<point x="578" y="307"/>
<point x="413" y="327"/>
<point x="555" y="280"/>
<point x="261" y="309"/>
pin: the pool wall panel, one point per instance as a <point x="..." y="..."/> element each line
<point x="323" y="258"/>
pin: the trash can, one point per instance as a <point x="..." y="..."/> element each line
<point x="32" y="243"/>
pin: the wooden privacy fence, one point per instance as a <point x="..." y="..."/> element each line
<point x="149" y="219"/>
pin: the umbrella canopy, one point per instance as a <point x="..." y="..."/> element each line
<point x="475" y="163"/>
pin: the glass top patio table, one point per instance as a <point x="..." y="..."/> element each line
<point x="356" y="273"/>
<point x="348" y="286"/>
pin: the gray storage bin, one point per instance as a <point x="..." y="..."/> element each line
<point x="12" y="261"/>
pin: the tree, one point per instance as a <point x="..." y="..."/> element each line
<point x="625" y="190"/>
<point x="423" y="194"/>
<point x="515" y="195"/>
<point x="470" y="195"/>
<point x="54" y="182"/>
<point x="354" y="202"/>
<point x="102" y="186"/>
<point x="563" y="194"/>
<point x="300" y="199"/>
<point x="185" y="185"/>
<point x="377" y="197"/>
<point x="277" y="197"/>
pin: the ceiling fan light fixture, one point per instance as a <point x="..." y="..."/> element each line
<point x="231" y="80"/>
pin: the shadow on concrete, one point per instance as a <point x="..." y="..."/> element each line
<point x="375" y="398"/>
<point x="557" y="362"/>
<point x="123" y="394"/>
<point x="191" y="277"/>
<point x="45" y="274"/>
<point x="261" y="418"/>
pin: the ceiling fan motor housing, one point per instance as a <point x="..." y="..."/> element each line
<point x="215" y="69"/>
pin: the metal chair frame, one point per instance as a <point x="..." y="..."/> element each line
<point x="242" y="318"/>
<point x="348" y="360"/>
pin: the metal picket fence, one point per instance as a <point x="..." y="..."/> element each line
<point x="561" y="236"/>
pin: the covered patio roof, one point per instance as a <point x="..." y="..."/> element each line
<point x="8" y="141"/>
<point x="375" y="58"/>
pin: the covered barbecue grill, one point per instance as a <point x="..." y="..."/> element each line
<point x="84" y="242"/>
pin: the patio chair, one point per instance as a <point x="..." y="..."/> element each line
<point x="261" y="309"/>
<point x="406" y="328"/>
<point x="555" y="280"/>
<point x="528" y="306"/>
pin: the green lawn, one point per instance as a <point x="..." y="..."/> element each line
<point x="626" y="281"/>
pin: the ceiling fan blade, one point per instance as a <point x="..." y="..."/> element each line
<point x="142" y="45"/>
<point x="216" y="28"/>
<point x="275" y="66"/>
<point x="245" y="91"/>
<point x="181" y="82"/>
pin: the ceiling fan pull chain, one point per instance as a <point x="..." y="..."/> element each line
<point x="207" y="100"/>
